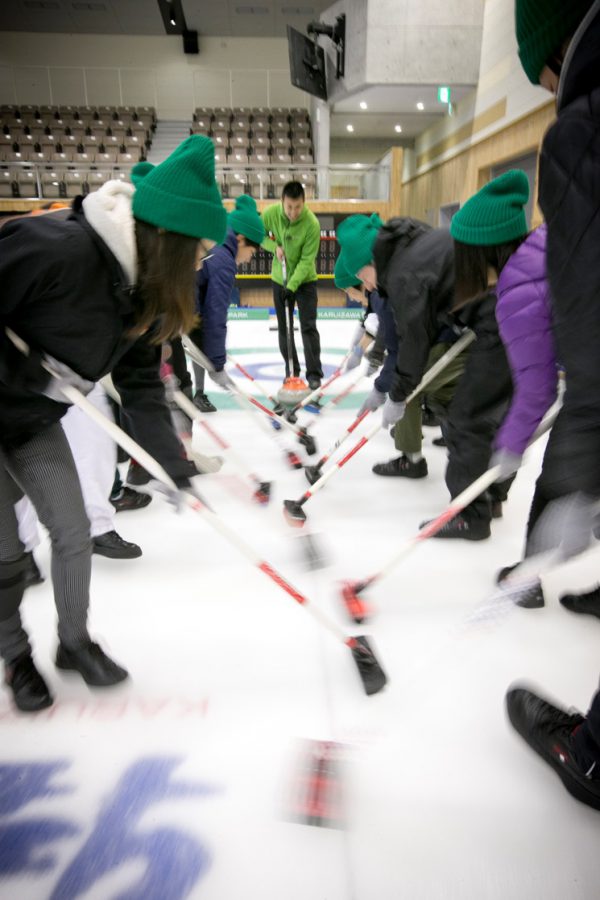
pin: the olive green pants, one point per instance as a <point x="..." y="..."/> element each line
<point x="408" y="434"/>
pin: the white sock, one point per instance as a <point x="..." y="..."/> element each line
<point x="414" y="457"/>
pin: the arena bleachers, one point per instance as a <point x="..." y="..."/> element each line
<point x="62" y="151"/>
<point x="254" y="148"/>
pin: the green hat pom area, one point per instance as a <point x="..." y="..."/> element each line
<point x="356" y="236"/>
<point x="181" y="194"/>
<point x="245" y="220"/>
<point x="495" y="214"/>
<point x="542" y="26"/>
<point x="139" y="171"/>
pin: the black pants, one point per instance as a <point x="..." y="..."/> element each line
<point x="306" y="297"/>
<point x="43" y="468"/>
<point x="179" y="364"/>
<point x="480" y="403"/>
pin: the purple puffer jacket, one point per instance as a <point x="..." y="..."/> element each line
<point x="525" y="324"/>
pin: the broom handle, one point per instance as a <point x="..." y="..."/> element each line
<point x="461" y="501"/>
<point x="155" y="469"/>
<point x="465" y="339"/>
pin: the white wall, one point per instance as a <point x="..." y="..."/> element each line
<point x="501" y="78"/>
<point x="423" y="41"/>
<point x="145" y="71"/>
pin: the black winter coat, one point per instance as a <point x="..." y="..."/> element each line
<point x="64" y="293"/>
<point x="569" y="195"/>
<point x="415" y="272"/>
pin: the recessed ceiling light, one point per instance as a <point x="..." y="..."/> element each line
<point x="349" y="127"/>
<point x="420" y="105"/>
<point x="398" y="128"/>
<point x="363" y="105"/>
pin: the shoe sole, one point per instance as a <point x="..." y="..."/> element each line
<point x="65" y="667"/>
<point x="111" y="555"/>
<point x="400" y="474"/>
<point x="22" y="707"/>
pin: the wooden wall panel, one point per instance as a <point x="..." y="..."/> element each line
<point x="455" y="180"/>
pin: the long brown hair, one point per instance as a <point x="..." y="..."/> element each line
<point x="471" y="265"/>
<point x="166" y="282"/>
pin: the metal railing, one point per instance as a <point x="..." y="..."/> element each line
<point x="52" y="180"/>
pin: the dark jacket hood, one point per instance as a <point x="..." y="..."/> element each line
<point x="397" y="232"/>
<point x="581" y="68"/>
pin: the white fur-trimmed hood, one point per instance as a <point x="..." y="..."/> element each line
<point x="108" y="211"/>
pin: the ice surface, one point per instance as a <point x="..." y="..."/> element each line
<point x="178" y="783"/>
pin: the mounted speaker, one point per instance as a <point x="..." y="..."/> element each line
<point x="190" y="42"/>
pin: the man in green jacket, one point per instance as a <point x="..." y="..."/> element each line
<point x="293" y="233"/>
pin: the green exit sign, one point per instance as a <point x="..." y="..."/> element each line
<point x="443" y="94"/>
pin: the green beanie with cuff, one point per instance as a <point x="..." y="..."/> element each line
<point x="245" y="220"/>
<point x="356" y="236"/>
<point x="542" y="26"/>
<point x="495" y="214"/>
<point x="181" y="194"/>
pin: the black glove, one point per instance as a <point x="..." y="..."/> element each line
<point x="289" y="296"/>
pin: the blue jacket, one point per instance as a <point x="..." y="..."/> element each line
<point x="214" y="283"/>
<point x="382" y="310"/>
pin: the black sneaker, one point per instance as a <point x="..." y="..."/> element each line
<point x="549" y="731"/>
<point x="136" y="474"/>
<point x="92" y="663"/>
<point x="401" y="467"/>
<point x="505" y="572"/>
<point x="314" y="382"/>
<point x="202" y="403"/>
<point x="112" y="545"/>
<point x="128" y="499"/>
<point x="32" y="573"/>
<point x="583" y="603"/>
<point x="29" y="690"/>
<point x="459" y="527"/>
<point x="439" y="442"/>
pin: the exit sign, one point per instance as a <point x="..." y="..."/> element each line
<point x="443" y="95"/>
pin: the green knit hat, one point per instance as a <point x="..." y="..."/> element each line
<point x="139" y="171"/>
<point x="356" y="236"/>
<point x="542" y="26"/>
<point x="342" y="278"/>
<point x="245" y="220"/>
<point x="495" y="214"/>
<point x="181" y="194"/>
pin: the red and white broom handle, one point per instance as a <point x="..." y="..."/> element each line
<point x="202" y="360"/>
<point x="460" y="502"/>
<point x="456" y="348"/>
<point x="155" y="469"/>
<point x="186" y="405"/>
<point x="250" y="377"/>
<point x="318" y="392"/>
<point x="341" y="439"/>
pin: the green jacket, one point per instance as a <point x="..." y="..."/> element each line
<point x="300" y="241"/>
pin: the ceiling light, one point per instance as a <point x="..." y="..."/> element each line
<point x="398" y="128"/>
<point x="349" y="127"/>
<point x="420" y="106"/>
<point x="363" y="105"/>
